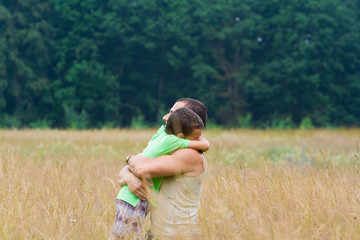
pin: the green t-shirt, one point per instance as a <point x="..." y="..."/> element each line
<point x="160" y="144"/>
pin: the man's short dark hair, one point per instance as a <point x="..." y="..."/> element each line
<point x="198" y="107"/>
<point x="183" y="120"/>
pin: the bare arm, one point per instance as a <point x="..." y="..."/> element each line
<point x="182" y="161"/>
<point x="134" y="183"/>
<point x="202" y="144"/>
<point x="122" y="176"/>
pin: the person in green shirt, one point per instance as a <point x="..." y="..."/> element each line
<point x="182" y="130"/>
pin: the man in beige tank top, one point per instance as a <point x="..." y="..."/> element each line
<point x="175" y="214"/>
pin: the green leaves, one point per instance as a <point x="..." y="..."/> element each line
<point x="253" y="63"/>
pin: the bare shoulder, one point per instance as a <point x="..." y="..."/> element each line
<point x="188" y="153"/>
<point x="194" y="160"/>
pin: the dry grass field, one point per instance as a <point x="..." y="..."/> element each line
<point x="260" y="184"/>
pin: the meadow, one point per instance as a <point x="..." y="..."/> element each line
<point x="260" y="184"/>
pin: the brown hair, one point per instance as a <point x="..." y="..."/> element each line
<point x="198" y="107"/>
<point x="183" y="120"/>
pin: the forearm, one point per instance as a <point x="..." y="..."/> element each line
<point x="202" y="145"/>
<point x="163" y="166"/>
<point x="148" y="171"/>
<point x="124" y="176"/>
<point x="137" y="164"/>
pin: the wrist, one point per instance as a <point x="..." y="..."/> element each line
<point x="128" y="158"/>
<point x="127" y="175"/>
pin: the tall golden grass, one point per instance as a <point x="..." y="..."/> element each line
<point x="298" y="184"/>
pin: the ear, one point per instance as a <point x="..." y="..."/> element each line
<point x="180" y="135"/>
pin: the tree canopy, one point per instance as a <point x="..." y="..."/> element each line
<point x="92" y="63"/>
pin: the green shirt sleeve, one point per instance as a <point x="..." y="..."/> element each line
<point x="164" y="144"/>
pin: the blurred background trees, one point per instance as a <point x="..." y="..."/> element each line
<point x="92" y="63"/>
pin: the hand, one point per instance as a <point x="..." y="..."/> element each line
<point x="205" y="142"/>
<point x="136" y="186"/>
<point x="201" y="138"/>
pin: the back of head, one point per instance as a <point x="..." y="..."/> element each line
<point x="198" y="107"/>
<point x="183" y="120"/>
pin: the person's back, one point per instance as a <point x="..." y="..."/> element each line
<point x="178" y="204"/>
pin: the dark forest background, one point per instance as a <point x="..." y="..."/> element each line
<point x="122" y="63"/>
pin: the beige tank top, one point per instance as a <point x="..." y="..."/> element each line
<point x="177" y="208"/>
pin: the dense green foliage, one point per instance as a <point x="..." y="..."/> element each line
<point x="92" y="63"/>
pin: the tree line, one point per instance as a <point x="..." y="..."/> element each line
<point x="118" y="63"/>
